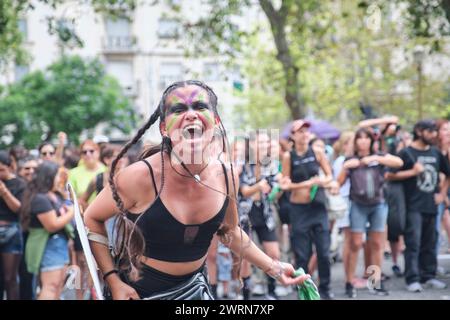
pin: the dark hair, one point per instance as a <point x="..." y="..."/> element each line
<point x="421" y="125"/>
<point x="108" y="152"/>
<point x="130" y="243"/>
<point x="5" y="158"/>
<point x="42" y="182"/>
<point x="22" y="161"/>
<point x="45" y="143"/>
<point x="358" y="134"/>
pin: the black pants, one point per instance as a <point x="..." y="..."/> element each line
<point x="420" y="240"/>
<point x="310" y="225"/>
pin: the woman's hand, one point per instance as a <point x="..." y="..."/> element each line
<point x="286" y="278"/>
<point x="283" y="272"/>
<point x="370" y="159"/>
<point x="285" y="183"/>
<point x="351" y="164"/>
<point x="264" y="186"/>
<point x="121" y="291"/>
<point x="334" y="187"/>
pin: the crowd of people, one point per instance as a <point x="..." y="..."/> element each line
<point x="158" y="220"/>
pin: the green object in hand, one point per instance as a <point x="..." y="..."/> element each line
<point x="273" y="193"/>
<point x="307" y="290"/>
<point x="313" y="192"/>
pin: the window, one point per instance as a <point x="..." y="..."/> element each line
<point x="168" y="28"/>
<point x="20" y="71"/>
<point x="123" y="72"/>
<point x="22" y="25"/>
<point x="169" y="73"/>
<point x="118" y="34"/>
<point x="211" y="72"/>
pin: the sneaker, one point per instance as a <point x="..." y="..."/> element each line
<point x="258" y="290"/>
<point x="441" y="272"/>
<point x="379" y="292"/>
<point x="435" y="284"/>
<point x="414" y="287"/>
<point x="384" y="277"/>
<point x="326" y="295"/>
<point x="282" y="291"/>
<point x="397" y="272"/>
<point x="350" y="291"/>
<point x="271" y="296"/>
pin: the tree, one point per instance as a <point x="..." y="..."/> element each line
<point x="71" y="95"/>
<point x="341" y="65"/>
<point x="306" y="27"/>
<point x="11" y="42"/>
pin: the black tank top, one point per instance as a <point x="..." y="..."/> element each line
<point x="303" y="167"/>
<point x="167" y="239"/>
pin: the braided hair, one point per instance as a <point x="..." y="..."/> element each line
<point x="130" y="243"/>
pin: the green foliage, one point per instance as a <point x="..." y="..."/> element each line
<point x="10" y="36"/>
<point x="11" y="46"/>
<point x="70" y="95"/>
<point x="341" y="63"/>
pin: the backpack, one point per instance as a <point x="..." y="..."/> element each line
<point x="366" y="185"/>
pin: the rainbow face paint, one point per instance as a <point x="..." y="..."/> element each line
<point x="172" y="122"/>
<point x="207" y="115"/>
<point x="182" y="101"/>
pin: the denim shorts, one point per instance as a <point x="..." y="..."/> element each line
<point x="15" y="244"/>
<point x="56" y="254"/>
<point x="368" y="218"/>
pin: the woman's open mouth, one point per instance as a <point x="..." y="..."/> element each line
<point x="192" y="132"/>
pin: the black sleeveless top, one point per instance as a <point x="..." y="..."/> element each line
<point x="167" y="239"/>
<point x="303" y="167"/>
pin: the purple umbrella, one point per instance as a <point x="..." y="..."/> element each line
<point x="320" y="128"/>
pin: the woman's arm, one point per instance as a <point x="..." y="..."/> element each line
<point x="11" y="201"/>
<point x="387" y="160"/>
<point x="241" y="245"/>
<point x="131" y="191"/>
<point x="260" y="186"/>
<point x="377" y="121"/>
<point x="54" y="223"/>
<point x="59" y="152"/>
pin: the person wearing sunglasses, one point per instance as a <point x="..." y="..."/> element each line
<point x="27" y="167"/>
<point x="47" y="151"/>
<point x="80" y="177"/>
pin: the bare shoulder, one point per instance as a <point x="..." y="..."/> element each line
<point x="135" y="181"/>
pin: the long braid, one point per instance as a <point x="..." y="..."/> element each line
<point x="134" y="241"/>
<point x="131" y="243"/>
<point x="131" y="240"/>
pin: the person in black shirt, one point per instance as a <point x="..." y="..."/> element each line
<point x="44" y="212"/>
<point x="308" y="214"/>
<point x="11" y="242"/>
<point x="420" y="176"/>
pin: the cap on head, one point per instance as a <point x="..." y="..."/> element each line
<point x="298" y="124"/>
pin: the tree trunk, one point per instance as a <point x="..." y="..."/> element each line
<point x="277" y="20"/>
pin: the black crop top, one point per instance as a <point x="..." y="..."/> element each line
<point x="303" y="167"/>
<point x="167" y="239"/>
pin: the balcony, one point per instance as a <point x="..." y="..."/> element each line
<point x="119" y="45"/>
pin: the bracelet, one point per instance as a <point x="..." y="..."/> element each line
<point x="280" y="272"/>
<point x="109" y="273"/>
